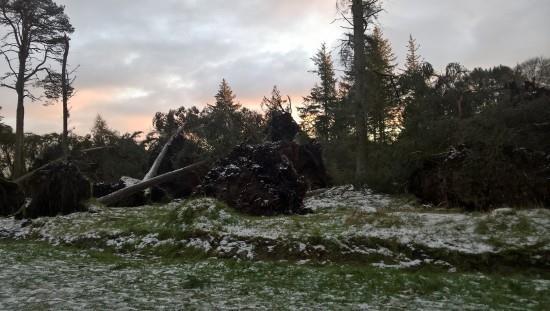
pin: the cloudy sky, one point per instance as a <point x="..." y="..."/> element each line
<point x="138" y="57"/>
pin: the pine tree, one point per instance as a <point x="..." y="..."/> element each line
<point x="381" y="95"/>
<point x="30" y="38"/>
<point x="225" y="99"/>
<point x="317" y="114"/>
<point x="223" y="123"/>
<point x="102" y="135"/>
<point x="413" y="61"/>
<point x="363" y="12"/>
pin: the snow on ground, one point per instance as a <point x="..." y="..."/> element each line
<point x="44" y="277"/>
<point x="294" y="262"/>
<point x="347" y="197"/>
<point x="346" y="224"/>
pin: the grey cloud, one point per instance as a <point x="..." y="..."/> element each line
<point x="177" y="51"/>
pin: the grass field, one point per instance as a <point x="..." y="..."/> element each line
<point x="357" y="250"/>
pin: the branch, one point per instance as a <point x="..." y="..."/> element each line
<point x="39" y="66"/>
<point x="15" y="29"/>
<point x="8" y="61"/>
<point x="8" y="86"/>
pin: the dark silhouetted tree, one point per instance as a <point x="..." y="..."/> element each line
<point x="33" y="29"/>
<point x="413" y="61"/>
<point x="59" y="86"/>
<point x="317" y="113"/>
<point x="362" y="14"/>
<point x="381" y="94"/>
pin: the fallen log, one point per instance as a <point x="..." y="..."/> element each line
<point x="30" y="174"/>
<point x="128" y="191"/>
<point x="153" y="171"/>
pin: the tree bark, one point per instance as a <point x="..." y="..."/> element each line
<point x="128" y="191"/>
<point x="65" y="95"/>
<point x="360" y="70"/>
<point x="153" y="171"/>
<point x="19" y="159"/>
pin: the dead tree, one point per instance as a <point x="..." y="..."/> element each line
<point x="128" y="191"/>
<point x="153" y="171"/>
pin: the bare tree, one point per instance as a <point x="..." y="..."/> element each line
<point x="33" y="29"/>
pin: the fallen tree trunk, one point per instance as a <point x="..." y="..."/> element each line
<point x="128" y="191"/>
<point x="30" y="174"/>
<point x="153" y="171"/>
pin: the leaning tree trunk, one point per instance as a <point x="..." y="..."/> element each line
<point x="360" y="68"/>
<point x="128" y="191"/>
<point x="153" y="171"/>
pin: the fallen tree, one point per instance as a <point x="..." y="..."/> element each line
<point x="116" y="196"/>
<point x="58" y="189"/>
<point x="153" y="171"/>
<point x="479" y="178"/>
<point x="259" y="179"/>
<point x="11" y="197"/>
<point x="25" y="177"/>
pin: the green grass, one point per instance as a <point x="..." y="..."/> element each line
<point x="337" y="235"/>
<point x="150" y="282"/>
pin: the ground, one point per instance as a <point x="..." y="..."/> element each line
<point x="356" y="250"/>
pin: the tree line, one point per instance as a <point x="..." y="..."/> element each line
<point x="375" y="121"/>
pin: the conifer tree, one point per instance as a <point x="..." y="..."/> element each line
<point x="381" y="95"/>
<point x="225" y="99"/>
<point x="317" y="114"/>
<point x="32" y="32"/>
<point x="223" y="122"/>
<point x="413" y="61"/>
<point x="363" y="12"/>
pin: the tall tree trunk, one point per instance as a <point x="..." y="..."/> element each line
<point x="360" y="70"/>
<point x="65" y="93"/>
<point x="19" y="159"/>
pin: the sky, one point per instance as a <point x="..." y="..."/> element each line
<point x="137" y="57"/>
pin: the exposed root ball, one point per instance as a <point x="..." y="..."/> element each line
<point x="11" y="198"/>
<point x="57" y="189"/>
<point x="257" y="179"/>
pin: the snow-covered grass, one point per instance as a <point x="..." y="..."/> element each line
<point x="38" y="276"/>
<point x="357" y="250"/>
<point x="347" y="225"/>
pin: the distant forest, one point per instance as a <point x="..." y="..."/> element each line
<point x="378" y="123"/>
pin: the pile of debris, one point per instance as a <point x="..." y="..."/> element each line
<point x="12" y="198"/>
<point x="271" y="178"/>
<point x="56" y="189"/>
<point x="137" y="199"/>
<point x="266" y="179"/>
<point x="480" y="179"/>
<point x="258" y="180"/>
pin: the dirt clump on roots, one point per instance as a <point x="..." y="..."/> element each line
<point x="257" y="180"/>
<point x="12" y="198"/>
<point x="480" y="178"/>
<point x="57" y="189"/>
